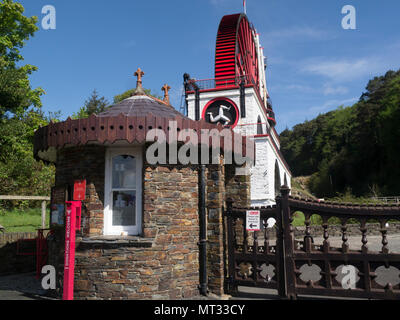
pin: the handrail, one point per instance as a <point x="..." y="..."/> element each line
<point x="221" y="82"/>
<point x="24" y="198"/>
<point x="31" y="198"/>
<point x="387" y="199"/>
<point x="345" y="210"/>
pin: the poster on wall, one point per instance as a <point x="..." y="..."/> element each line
<point x="57" y="207"/>
<point x="57" y="214"/>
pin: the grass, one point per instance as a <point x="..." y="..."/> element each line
<point x="23" y="220"/>
<point x="299" y="187"/>
<point x="298" y="220"/>
<point x="316" y="220"/>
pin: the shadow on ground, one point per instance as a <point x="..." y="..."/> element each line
<point x="250" y="293"/>
<point x="21" y="287"/>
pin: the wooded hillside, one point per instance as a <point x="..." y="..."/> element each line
<point x="353" y="148"/>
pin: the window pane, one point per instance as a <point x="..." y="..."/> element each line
<point x="124" y="208"/>
<point x="124" y="172"/>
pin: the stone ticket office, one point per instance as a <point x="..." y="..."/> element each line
<point x="149" y="231"/>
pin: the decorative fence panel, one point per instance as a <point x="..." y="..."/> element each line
<point x="339" y="271"/>
<point x="255" y="259"/>
<point x="299" y="266"/>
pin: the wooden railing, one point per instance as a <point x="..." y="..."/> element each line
<point x="328" y="267"/>
<point x="32" y="198"/>
<point x="371" y="274"/>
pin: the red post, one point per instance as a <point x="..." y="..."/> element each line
<point x="73" y="211"/>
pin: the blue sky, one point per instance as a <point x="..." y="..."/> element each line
<point x="314" y="64"/>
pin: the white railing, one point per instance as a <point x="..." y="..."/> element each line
<point x="388" y="199"/>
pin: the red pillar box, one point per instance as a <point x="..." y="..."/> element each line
<point x="72" y="223"/>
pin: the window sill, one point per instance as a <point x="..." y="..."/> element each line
<point x="118" y="241"/>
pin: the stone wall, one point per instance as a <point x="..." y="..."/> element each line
<point x="162" y="263"/>
<point x="237" y="187"/>
<point x="222" y="183"/>
<point x="80" y="163"/>
<point x="135" y="269"/>
<point x="215" y="197"/>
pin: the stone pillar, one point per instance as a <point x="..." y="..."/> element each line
<point x="215" y="253"/>
<point x="237" y="187"/>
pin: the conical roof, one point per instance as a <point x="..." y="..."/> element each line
<point x="141" y="105"/>
<point x="129" y="120"/>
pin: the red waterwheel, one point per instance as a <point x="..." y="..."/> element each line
<point x="236" y="52"/>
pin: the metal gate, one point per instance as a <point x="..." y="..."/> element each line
<point x="255" y="259"/>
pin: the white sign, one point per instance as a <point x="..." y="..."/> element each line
<point x="253" y="221"/>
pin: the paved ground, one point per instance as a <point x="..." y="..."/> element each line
<point x="248" y="293"/>
<point x="26" y="287"/>
<point x="374" y="243"/>
<point x="21" y="287"/>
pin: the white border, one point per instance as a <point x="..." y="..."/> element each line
<point x="109" y="229"/>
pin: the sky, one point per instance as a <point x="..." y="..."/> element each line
<point x="314" y="65"/>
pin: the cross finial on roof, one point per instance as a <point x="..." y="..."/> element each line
<point x="139" y="89"/>
<point x="166" y="88"/>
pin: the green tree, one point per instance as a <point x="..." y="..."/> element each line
<point x="20" y="113"/>
<point x="93" y="105"/>
<point x="16" y="94"/>
<point x="354" y="148"/>
<point x="20" y="173"/>
<point x="96" y="104"/>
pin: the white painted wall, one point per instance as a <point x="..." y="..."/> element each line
<point x="263" y="172"/>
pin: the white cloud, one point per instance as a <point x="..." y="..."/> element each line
<point x="331" y="104"/>
<point x="332" y="90"/>
<point x="342" y="70"/>
<point x="292" y="87"/>
<point x="327" y="89"/>
<point x="300" y="87"/>
<point x="297" y="32"/>
<point x="283" y="37"/>
<point x="291" y="118"/>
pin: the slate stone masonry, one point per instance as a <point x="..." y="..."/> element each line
<point x="85" y="162"/>
<point x="161" y="263"/>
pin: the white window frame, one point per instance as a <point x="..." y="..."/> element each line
<point x="109" y="229"/>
